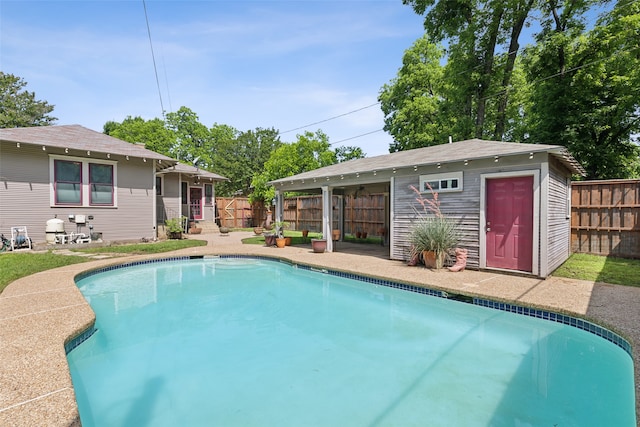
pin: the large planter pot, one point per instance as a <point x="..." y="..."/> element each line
<point x="224" y="230"/>
<point x="288" y="241"/>
<point x="270" y="239"/>
<point x="280" y="242"/>
<point x="335" y="234"/>
<point x="433" y="261"/>
<point x="305" y="233"/>
<point x="176" y="235"/>
<point x="195" y="230"/>
<point x="257" y="231"/>
<point x="319" y="245"/>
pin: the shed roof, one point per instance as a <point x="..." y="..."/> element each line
<point x="472" y="149"/>
<point x="76" y="137"/>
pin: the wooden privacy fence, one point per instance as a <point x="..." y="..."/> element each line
<point x="362" y="214"/>
<point x="238" y="212"/>
<point x="605" y="217"/>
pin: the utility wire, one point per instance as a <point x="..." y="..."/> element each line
<point x="155" y="69"/>
<point x="330" y="118"/>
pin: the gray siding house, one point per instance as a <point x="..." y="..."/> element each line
<point x="511" y="200"/>
<point x="70" y="172"/>
<point x="187" y="191"/>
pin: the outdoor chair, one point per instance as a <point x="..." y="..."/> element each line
<point x="20" y="238"/>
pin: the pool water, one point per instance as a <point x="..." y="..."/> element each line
<point x="249" y="342"/>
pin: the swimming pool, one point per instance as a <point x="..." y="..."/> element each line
<point x="240" y="342"/>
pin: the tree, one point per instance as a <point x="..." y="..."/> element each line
<point x="19" y="107"/>
<point x="240" y="156"/>
<point x="412" y="102"/>
<point x="310" y="151"/>
<point x="587" y="97"/>
<point x="193" y="140"/>
<point x="474" y="32"/>
<point x="152" y="133"/>
<point x="346" y="153"/>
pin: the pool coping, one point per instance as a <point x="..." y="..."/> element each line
<point x="41" y="312"/>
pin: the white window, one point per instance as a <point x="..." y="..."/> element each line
<point x="82" y="182"/>
<point x="441" y="182"/>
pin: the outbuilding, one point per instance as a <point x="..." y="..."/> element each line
<point x="511" y="200"/>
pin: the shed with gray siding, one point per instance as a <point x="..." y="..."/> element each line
<point x="511" y="200"/>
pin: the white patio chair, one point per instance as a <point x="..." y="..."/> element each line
<point x="20" y="238"/>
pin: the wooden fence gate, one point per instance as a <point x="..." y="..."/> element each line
<point x="605" y="217"/>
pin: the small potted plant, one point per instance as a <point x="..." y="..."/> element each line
<point x="280" y="237"/>
<point x="173" y="228"/>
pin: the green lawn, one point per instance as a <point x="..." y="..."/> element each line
<point x="617" y="271"/>
<point x="19" y="264"/>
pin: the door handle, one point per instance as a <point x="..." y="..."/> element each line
<point x="488" y="226"/>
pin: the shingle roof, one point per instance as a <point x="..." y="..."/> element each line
<point x="192" y="170"/>
<point x="76" y="137"/>
<point x="472" y="149"/>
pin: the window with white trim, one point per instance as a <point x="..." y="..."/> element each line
<point x="82" y="182"/>
<point x="441" y="182"/>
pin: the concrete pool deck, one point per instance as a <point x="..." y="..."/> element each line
<point x="40" y="312"/>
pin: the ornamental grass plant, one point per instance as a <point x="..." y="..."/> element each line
<point x="433" y="231"/>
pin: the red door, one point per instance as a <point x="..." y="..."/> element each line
<point x="509" y="225"/>
<point x="195" y="203"/>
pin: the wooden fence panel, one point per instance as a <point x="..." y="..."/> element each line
<point x="605" y="217"/>
<point x="237" y="212"/>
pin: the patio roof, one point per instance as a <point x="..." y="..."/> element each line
<point x="473" y="149"/>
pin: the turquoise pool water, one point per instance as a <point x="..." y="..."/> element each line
<point x="247" y="342"/>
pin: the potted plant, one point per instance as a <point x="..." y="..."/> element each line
<point x="173" y="228"/>
<point x="434" y="234"/>
<point x="224" y="229"/>
<point x="280" y="237"/>
<point x="319" y="245"/>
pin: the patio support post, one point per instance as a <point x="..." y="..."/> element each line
<point x="327" y="195"/>
<point x="279" y="202"/>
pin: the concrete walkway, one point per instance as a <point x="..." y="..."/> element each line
<point x="40" y="312"/>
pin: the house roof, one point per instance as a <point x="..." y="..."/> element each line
<point x="76" y="137"/>
<point x="194" y="171"/>
<point x="473" y="149"/>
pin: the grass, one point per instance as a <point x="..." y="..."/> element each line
<point x="144" y="248"/>
<point x="20" y="264"/>
<point x="296" y="238"/>
<point x="595" y="268"/>
<point x="17" y="265"/>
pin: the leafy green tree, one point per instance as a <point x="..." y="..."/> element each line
<point x="412" y="102"/>
<point x="479" y="76"/>
<point x="19" y="107"/>
<point x="310" y="151"/>
<point x="588" y="92"/>
<point x="193" y="140"/>
<point x="346" y="153"/>
<point x="240" y="156"/>
<point x="153" y="133"/>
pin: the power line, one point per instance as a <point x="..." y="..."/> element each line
<point x="357" y="136"/>
<point x="155" y="69"/>
<point x="330" y="118"/>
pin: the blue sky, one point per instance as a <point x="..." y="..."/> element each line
<point x="248" y="64"/>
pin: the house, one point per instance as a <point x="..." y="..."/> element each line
<point x="185" y="190"/>
<point x="511" y="200"/>
<point x="88" y="180"/>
